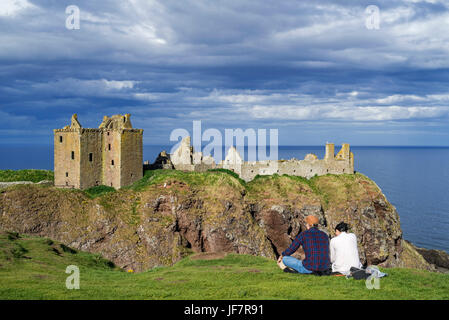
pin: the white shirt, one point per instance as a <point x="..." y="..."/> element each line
<point x="344" y="253"/>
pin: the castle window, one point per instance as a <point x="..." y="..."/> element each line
<point x="91" y="156"/>
<point x="124" y="119"/>
<point x="108" y="133"/>
<point x="131" y="175"/>
<point x="66" y="174"/>
<point x="109" y="147"/>
<point x="60" y="139"/>
<point x="73" y="155"/>
<point x="310" y="170"/>
<point x="112" y="162"/>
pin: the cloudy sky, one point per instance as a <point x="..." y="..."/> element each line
<point x="312" y="69"/>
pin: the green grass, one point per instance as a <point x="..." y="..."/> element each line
<point x="26" y="175"/>
<point x="98" y="191"/>
<point x="34" y="268"/>
<point x="231" y="173"/>
<point x="211" y="178"/>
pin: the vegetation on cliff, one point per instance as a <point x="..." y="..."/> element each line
<point x="169" y="214"/>
<point x="32" y="175"/>
<point x="34" y="268"/>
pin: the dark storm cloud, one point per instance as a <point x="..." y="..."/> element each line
<point x="306" y="67"/>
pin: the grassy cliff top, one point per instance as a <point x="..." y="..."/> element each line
<point x="32" y="175"/>
<point x="327" y="190"/>
<point x="330" y="187"/>
<point x="34" y="268"/>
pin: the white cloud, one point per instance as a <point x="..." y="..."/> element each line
<point x="14" y="7"/>
<point x="116" y="85"/>
<point x="347" y="113"/>
<point x="400" y="98"/>
<point x="146" y="96"/>
<point x="71" y="87"/>
<point x="349" y="106"/>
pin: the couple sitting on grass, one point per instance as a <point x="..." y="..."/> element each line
<point x="342" y="251"/>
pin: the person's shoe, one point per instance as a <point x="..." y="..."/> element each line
<point x="290" y="270"/>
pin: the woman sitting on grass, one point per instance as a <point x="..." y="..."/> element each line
<point x="343" y="250"/>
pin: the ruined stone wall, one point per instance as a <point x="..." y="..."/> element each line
<point x="303" y="168"/>
<point x="203" y="167"/>
<point x="66" y="169"/>
<point x="111" y="158"/>
<point x="330" y="151"/>
<point x="344" y="152"/>
<point x="91" y="160"/>
<point x="184" y="158"/>
<point x="131" y="156"/>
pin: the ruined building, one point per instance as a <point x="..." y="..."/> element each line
<point x="110" y="155"/>
<point x="185" y="158"/>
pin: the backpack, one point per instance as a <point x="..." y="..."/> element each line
<point x="358" y="274"/>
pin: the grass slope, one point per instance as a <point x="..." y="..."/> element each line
<point x="34" y="268"/>
<point x="26" y="175"/>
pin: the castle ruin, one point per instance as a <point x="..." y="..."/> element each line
<point x="110" y="155"/>
<point x="185" y="158"/>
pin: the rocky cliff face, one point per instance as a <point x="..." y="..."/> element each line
<point x="170" y="214"/>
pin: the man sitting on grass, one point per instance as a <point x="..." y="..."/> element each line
<point x="316" y="248"/>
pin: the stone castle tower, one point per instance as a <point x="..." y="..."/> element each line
<point x="110" y="155"/>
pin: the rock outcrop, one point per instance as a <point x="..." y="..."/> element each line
<point x="177" y="213"/>
<point x="438" y="258"/>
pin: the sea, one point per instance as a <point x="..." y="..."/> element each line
<point x="414" y="179"/>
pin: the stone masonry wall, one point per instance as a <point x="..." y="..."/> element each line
<point x="111" y="158"/>
<point x="90" y="158"/>
<point x="131" y="168"/>
<point x="343" y="162"/>
<point x="66" y="169"/>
